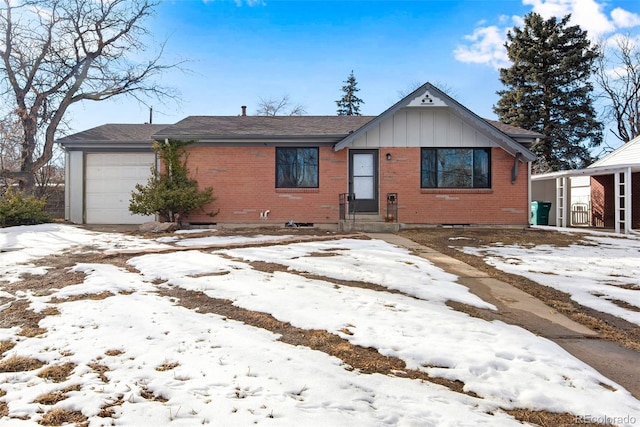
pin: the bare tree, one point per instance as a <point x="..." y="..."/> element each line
<point x="617" y="72"/>
<point x="55" y="53"/>
<point x="10" y="142"/>
<point x="279" y="107"/>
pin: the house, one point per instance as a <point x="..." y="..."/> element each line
<point x="604" y="195"/>
<point x="427" y="160"/>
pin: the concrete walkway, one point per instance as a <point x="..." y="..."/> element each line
<point x="519" y="308"/>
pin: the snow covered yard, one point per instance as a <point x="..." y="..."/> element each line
<point x="601" y="272"/>
<point x="329" y="332"/>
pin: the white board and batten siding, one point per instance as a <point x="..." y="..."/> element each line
<point x="109" y="180"/>
<point x="413" y="127"/>
<point x="627" y="154"/>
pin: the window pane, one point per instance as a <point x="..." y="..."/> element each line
<point x="363" y="165"/>
<point x="481" y="168"/>
<point x="296" y="167"/>
<point x="428" y="169"/>
<point x="363" y="187"/>
<point x="455" y="168"/>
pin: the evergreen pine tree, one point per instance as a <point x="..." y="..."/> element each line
<point x="549" y="91"/>
<point x="349" y="104"/>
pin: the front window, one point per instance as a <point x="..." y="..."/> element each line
<point x="455" y="168"/>
<point x="296" y="167"/>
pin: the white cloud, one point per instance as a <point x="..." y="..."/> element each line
<point x="486" y="44"/>
<point x="625" y="19"/>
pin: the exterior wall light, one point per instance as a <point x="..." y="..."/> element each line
<point x="388" y="156"/>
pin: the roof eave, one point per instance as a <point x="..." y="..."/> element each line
<point x="253" y="139"/>
<point x="101" y="144"/>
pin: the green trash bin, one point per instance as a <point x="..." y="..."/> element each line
<point x="540" y="212"/>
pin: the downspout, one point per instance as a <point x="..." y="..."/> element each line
<point x="514" y="169"/>
<point x="529" y="193"/>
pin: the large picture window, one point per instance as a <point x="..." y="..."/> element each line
<point x="296" y="167"/>
<point x="455" y="168"/>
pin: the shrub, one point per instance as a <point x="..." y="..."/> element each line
<point x="171" y="194"/>
<point x="18" y="209"/>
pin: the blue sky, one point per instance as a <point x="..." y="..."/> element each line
<point x="240" y="51"/>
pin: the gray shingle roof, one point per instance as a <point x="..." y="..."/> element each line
<point x="263" y="126"/>
<point x="242" y="126"/>
<point x="513" y="131"/>
<point x="116" y="133"/>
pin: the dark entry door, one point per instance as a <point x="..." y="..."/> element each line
<point x="363" y="179"/>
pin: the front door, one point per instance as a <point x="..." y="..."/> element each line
<point x="363" y="180"/>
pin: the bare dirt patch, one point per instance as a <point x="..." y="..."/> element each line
<point x="447" y="240"/>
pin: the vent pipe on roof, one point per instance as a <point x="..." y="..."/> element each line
<point x="244" y="110"/>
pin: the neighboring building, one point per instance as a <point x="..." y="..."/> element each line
<point x="427" y="160"/>
<point x="604" y="195"/>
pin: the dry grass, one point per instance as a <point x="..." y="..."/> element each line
<point x="167" y="366"/>
<point x="50" y="311"/>
<point x="59" y="416"/>
<point x="20" y="364"/>
<point x="4" y="409"/>
<point x="6" y="346"/>
<point x="30" y="332"/>
<point x="57" y="373"/>
<point x="114" y="352"/>
<point x="56" y="396"/>
<point x="94" y="297"/>
<point x="149" y="395"/>
<point x="550" y="419"/>
<point x="100" y="369"/>
<point x="107" y="410"/>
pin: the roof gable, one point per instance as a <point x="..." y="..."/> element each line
<point x="428" y="96"/>
<point x="629" y="153"/>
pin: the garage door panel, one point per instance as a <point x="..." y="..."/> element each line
<point x="110" y="178"/>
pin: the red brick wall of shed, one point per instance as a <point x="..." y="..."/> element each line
<point x="603" y="201"/>
<point x="243" y="180"/>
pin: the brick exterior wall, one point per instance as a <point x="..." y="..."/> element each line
<point x="603" y="201"/>
<point x="502" y="204"/>
<point x="243" y="181"/>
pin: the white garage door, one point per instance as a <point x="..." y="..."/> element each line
<point x="109" y="180"/>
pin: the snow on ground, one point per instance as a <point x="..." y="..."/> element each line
<point x="605" y="269"/>
<point x="206" y="369"/>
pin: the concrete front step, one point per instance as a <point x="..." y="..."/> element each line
<point x="368" y="226"/>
